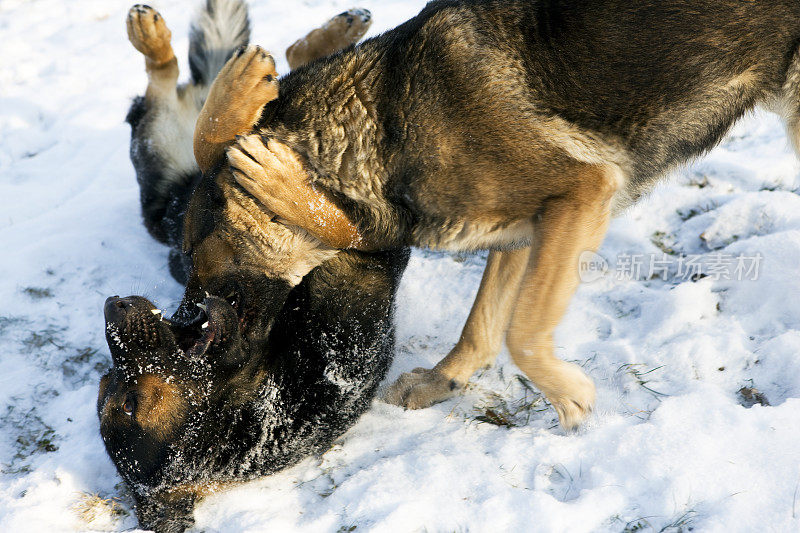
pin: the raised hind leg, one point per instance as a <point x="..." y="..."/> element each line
<point x="338" y="33"/>
<point x="149" y="34"/>
<point x="246" y="83"/>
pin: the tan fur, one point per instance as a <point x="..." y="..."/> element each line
<point x="480" y="340"/>
<point x="274" y="175"/>
<point x="462" y="235"/>
<point x="196" y="490"/>
<point x="568" y="226"/>
<point x="161" y="405"/>
<point x="788" y="105"/>
<point x="247" y="82"/>
<point x="250" y="236"/>
<point x="148" y="33"/>
<point x="339" y="32"/>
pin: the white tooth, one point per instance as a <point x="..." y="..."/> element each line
<point x="156" y="311"/>
<point x="204" y="326"/>
<point x="203" y="307"/>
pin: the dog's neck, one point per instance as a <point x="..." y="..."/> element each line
<point x="326" y="112"/>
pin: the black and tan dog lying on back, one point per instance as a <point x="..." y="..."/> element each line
<point x="163" y="120"/>
<point x="517" y="126"/>
<point x="190" y="405"/>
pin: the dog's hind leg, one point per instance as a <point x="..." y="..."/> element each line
<point x="149" y="34"/>
<point x="569" y="224"/>
<point x="480" y="340"/>
<point x="338" y="33"/>
<point x="246" y="83"/>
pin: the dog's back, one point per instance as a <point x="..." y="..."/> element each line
<point x="659" y="80"/>
<point x="163" y="121"/>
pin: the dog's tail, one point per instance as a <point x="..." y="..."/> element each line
<point x="219" y="28"/>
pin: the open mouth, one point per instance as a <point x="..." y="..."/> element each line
<point x="134" y="323"/>
<point x="213" y="325"/>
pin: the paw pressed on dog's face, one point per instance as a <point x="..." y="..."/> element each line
<point x="274" y="175"/>
<point x="149" y="34"/>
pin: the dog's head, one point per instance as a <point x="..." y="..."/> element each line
<point x="240" y="253"/>
<point x="165" y="378"/>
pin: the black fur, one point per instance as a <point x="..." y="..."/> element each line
<point x="163" y="200"/>
<point x="329" y="349"/>
<point x="165" y="184"/>
<point x="186" y="406"/>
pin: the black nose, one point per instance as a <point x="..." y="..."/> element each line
<point x="116" y="308"/>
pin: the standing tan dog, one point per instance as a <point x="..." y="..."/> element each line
<point x="518" y="126"/>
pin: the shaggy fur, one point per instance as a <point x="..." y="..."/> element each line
<point x="502" y="124"/>
<point x="191" y="405"/>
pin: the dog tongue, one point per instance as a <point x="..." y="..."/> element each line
<point x="202" y="344"/>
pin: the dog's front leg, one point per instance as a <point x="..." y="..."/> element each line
<point x="149" y="34"/>
<point x="246" y="83"/>
<point x="480" y="340"/>
<point x="569" y="224"/>
<point x="273" y="173"/>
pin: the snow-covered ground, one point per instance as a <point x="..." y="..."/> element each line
<point x="675" y="443"/>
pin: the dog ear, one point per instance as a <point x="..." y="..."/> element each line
<point x="273" y="173"/>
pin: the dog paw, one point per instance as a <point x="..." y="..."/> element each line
<point x="249" y="78"/>
<point x="149" y="34"/>
<point x="420" y="388"/>
<point x="574" y="400"/>
<point x="270" y="172"/>
<point x="339" y="32"/>
<point x="351" y="25"/>
<point x="246" y="83"/>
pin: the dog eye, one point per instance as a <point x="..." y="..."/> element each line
<point x="129" y="407"/>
